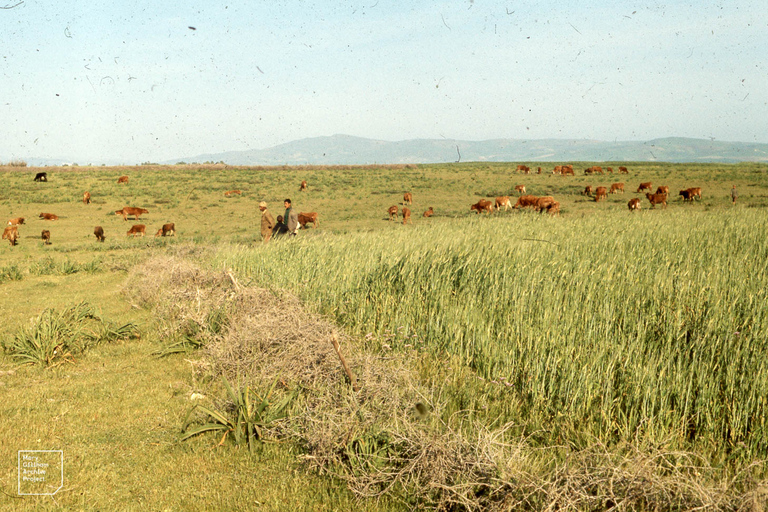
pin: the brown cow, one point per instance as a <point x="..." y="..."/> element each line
<point x="549" y="204"/>
<point x="503" y="201"/>
<point x="99" y="232"/>
<point x="520" y="189"/>
<point x="634" y="204"/>
<point x="601" y="193"/>
<point x="11" y="233"/>
<point x="230" y="193"/>
<point x="41" y="176"/>
<point x="587" y="190"/>
<point x="657" y="199"/>
<point x="695" y="192"/>
<point x="429" y="212"/>
<point x="407" y="198"/>
<point x="168" y="229"/>
<point x="18" y="221"/>
<point x="558" y="169"/>
<point x="595" y="169"/>
<point x="137" y="229"/>
<point x="567" y="170"/>
<point x="303" y="186"/>
<point x="523" y="168"/>
<point x="392" y="211"/>
<point x="526" y="201"/>
<point x="644" y="186"/>
<point x="617" y="187"/>
<point x="86" y="197"/>
<point x="686" y="195"/>
<point x="128" y="210"/>
<point x="538" y="170"/>
<point x="609" y="169"/>
<point x="46" y="236"/>
<point x="406" y="215"/>
<point x="49" y="216"/>
<point x="623" y="170"/>
<point x="306" y="218"/>
<point x="122" y="179"/>
<point x="662" y="190"/>
<point x="482" y="205"/>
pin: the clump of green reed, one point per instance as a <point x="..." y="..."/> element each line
<point x="56" y="337"/>
<point x="642" y="326"/>
<point x="11" y="273"/>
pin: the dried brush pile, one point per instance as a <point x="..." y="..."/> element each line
<point x="390" y="438"/>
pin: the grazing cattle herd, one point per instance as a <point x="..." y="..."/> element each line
<point x="524" y="200"/>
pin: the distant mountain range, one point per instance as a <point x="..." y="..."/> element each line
<point x="349" y="150"/>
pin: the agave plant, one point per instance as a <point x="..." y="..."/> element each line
<point x="250" y="415"/>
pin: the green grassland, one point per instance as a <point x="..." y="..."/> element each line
<point x="598" y="326"/>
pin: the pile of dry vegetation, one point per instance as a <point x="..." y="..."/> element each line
<point x="390" y="438"/>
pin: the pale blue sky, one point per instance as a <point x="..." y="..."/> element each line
<point x="113" y="81"/>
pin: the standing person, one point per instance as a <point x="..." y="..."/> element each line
<point x="267" y="222"/>
<point x="734" y="194"/>
<point x="291" y="218"/>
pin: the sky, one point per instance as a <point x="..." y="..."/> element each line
<point x="130" y="82"/>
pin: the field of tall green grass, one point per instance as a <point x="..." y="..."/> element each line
<point x="626" y="328"/>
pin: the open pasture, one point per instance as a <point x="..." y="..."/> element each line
<point x="598" y="326"/>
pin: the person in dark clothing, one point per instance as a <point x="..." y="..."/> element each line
<point x="280" y="228"/>
<point x="291" y="218"/>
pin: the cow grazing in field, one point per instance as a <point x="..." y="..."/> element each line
<point x="392" y="211"/>
<point x="617" y="187"/>
<point x="406" y="215"/>
<point x="558" y="169"/>
<point x="41" y="176"/>
<point x="11" y="233"/>
<point x="503" y="201"/>
<point x="601" y="193"/>
<point x="99" y="232"/>
<point x="548" y="203"/>
<point x="662" y="190"/>
<point x="49" y="216"/>
<point x="230" y="193"/>
<point x="634" y="204"/>
<point x="168" y="229"/>
<point x="129" y="210"/>
<point x="137" y="229"/>
<point x="18" y="221"/>
<point x="122" y="179"/>
<point x="538" y="170"/>
<point x="686" y="195"/>
<point x="644" y="186"/>
<point x="86" y="197"/>
<point x="407" y="198"/>
<point x="430" y="212"/>
<point x="46" y="236"/>
<point x="567" y="170"/>
<point x="523" y="168"/>
<point x="520" y="189"/>
<point x="609" y="170"/>
<point x="587" y="190"/>
<point x="623" y="170"/>
<point x="657" y="199"/>
<point x="303" y="186"/>
<point x="526" y="201"/>
<point x="306" y="218"/>
<point x="595" y="169"/>
<point x="482" y="205"/>
<point x="695" y="192"/>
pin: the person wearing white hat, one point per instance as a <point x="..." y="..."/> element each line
<point x="267" y="222"/>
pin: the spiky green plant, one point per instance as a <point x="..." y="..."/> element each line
<point x="249" y="415"/>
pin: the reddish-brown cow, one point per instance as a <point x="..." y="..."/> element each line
<point x="18" y="221"/>
<point x="49" y="216"/>
<point x="122" y="179"/>
<point x="634" y="204"/>
<point x="644" y="186"/>
<point x="482" y="205"/>
<point x="99" y="232"/>
<point x="11" y="233"/>
<point x="406" y="215"/>
<point x="129" y="210"/>
<point x="617" y="187"/>
<point x="657" y="199"/>
<point x="601" y="193"/>
<point x="526" y="201"/>
<point x="392" y="211"/>
<point x="430" y="212"/>
<point x="168" y="229"/>
<point x="503" y="201"/>
<point x="46" y="236"/>
<point x="306" y="218"/>
<point x="137" y="229"/>
<point x="86" y="197"/>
